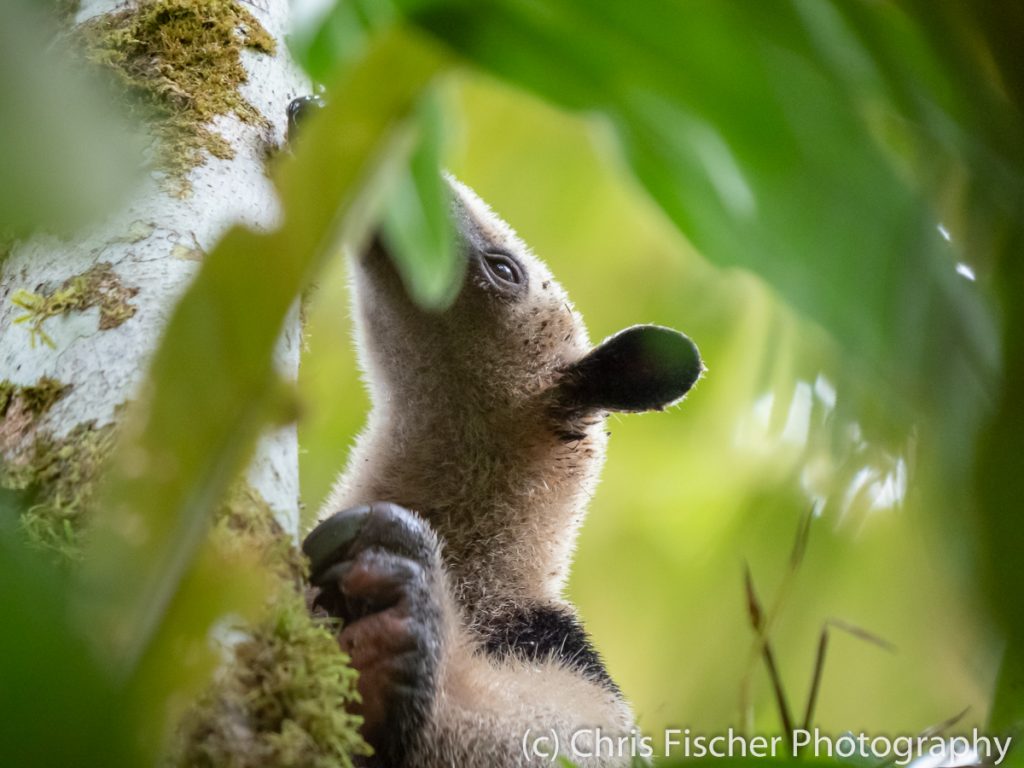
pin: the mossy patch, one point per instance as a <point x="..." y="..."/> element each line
<point x="58" y="476"/>
<point x="34" y="399"/>
<point x="99" y="286"/>
<point x="245" y="521"/>
<point x="280" y="703"/>
<point x="179" y="63"/>
<point x="61" y="476"/>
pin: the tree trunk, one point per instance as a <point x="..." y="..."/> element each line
<point x="79" y="318"/>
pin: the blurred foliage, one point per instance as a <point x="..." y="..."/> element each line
<point x="150" y="591"/>
<point x="416" y="227"/>
<point x="827" y="196"/>
<point x="66" y="157"/>
<point x="50" y="677"/>
<point x="415" y="224"/>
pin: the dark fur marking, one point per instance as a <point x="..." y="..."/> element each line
<point x="570" y="436"/>
<point x="542" y="632"/>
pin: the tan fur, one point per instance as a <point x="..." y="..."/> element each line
<point x="462" y="432"/>
<point x="486" y="708"/>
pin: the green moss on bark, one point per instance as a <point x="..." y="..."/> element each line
<point x="180" y="64"/>
<point x="246" y="522"/>
<point x="58" y="475"/>
<point x="33" y="399"/>
<point x="61" y="476"/>
<point x="281" y="701"/>
<point x="99" y="286"/>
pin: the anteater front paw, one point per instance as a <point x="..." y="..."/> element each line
<point x="378" y="568"/>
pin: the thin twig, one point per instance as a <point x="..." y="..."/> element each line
<point x="757" y="621"/>
<point x="861" y="634"/>
<point x="767" y="618"/>
<point x="803" y="533"/>
<point x="819" y="667"/>
<point x="933" y="730"/>
<point x="819" y="660"/>
<point x="940" y="728"/>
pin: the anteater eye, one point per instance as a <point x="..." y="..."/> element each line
<point x="503" y="268"/>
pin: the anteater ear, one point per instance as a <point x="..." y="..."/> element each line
<point x="643" y="368"/>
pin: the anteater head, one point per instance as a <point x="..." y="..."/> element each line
<point x="511" y="345"/>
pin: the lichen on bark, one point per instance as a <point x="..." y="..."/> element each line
<point x="179" y="63"/>
<point x="99" y="286"/>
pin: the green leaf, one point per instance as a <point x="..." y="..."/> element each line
<point x="417" y="224"/>
<point x="57" y="701"/>
<point x="417" y="228"/>
<point x="1007" y="715"/>
<point x="212" y="385"/>
<point x="341" y="37"/>
<point x="997" y="488"/>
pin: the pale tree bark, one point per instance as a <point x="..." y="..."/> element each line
<point x="80" y="317"/>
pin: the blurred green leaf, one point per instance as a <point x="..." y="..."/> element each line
<point x="998" y="486"/>
<point x="212" y="384"/>
<point x="417" y="224"/>
<point x="220" y="592"/>
<point x="58" y="705"/>
<point x="1007" y="714"/>
<point x="416" y="227"/>
<point x="66" y="157"/>
<point x="341" y="37"/>
<point x="981" y="40"/>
